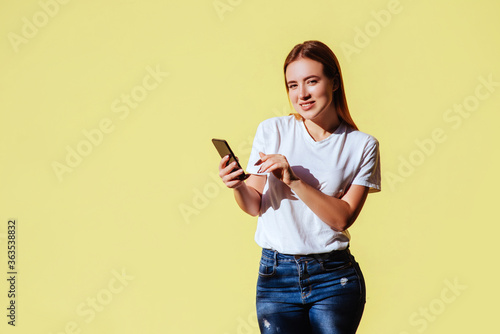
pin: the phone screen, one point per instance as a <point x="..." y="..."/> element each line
<point x="223" y="148"/>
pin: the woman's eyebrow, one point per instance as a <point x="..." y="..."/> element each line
<point x="306" y="78"/>
<point x="311" y="76"/>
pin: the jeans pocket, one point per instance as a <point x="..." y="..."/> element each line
<point x="333" y="265"/>
<point x="267" y="267"/>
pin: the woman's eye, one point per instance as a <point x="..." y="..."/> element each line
<point x="312" y="81"/>
<point x="292" y="86"/>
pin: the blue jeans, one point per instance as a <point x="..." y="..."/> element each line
<point x="310" y="294"/>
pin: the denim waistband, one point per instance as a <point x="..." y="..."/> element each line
<point x="272" y="254"/>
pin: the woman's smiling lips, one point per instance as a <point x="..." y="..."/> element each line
<point x="307" y="105"/>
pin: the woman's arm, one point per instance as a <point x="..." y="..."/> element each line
<point x="247" y="193"/>
<point x="339" y="214"/>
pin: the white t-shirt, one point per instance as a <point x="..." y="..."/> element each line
<point x="331" y="165"/>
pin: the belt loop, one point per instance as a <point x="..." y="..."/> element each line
<point x="319" y="258"/>
<point x="276" y="258"/>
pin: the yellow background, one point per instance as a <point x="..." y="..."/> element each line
<point x="146" y="203"/>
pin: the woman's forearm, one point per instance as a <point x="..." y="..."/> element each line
<point x="339" y="214"/>
<point x="248" y="199"/>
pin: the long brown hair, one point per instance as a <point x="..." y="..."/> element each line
<point x="320" y="52"/>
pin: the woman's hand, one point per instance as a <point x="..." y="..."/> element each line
<point x="248" y="195"/>
<point x="230" y="178"/>
<point x="279" y="166"/>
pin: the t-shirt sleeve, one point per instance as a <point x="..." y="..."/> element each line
<point x="369" y="171"/>
<point x="259" y="145"/>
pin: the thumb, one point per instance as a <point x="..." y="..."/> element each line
<point x="261" y="154"/>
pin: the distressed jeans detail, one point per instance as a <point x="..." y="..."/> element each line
<point x="310" y="294"/>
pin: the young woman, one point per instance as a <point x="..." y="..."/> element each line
<point x="310" y="175"/>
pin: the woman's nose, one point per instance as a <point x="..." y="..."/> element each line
<point x="303" y="93"/>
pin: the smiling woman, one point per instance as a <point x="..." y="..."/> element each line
<point x="321" y="59"/>
<point x="310" y="177"/>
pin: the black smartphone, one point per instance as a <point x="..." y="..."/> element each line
<point x="223" y="148"/>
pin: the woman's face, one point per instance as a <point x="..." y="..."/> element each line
<point x="310" y="91"/>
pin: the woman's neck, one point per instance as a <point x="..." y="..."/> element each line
<point x="320" y="129"/>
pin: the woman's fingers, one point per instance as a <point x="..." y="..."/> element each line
<point x="223" y="162"/>
<point x="233" y="175"/>
<point x="229" y="176"/>
<point x="232" y="180"/>
<point x="228" y="169"/>
<point x="224" y="168"/>
<point x="273" y="168"/>
<point x="269" y="160"/>
<point x="278" y="165"/>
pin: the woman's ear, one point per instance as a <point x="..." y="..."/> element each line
<point x="336" y="82"/>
